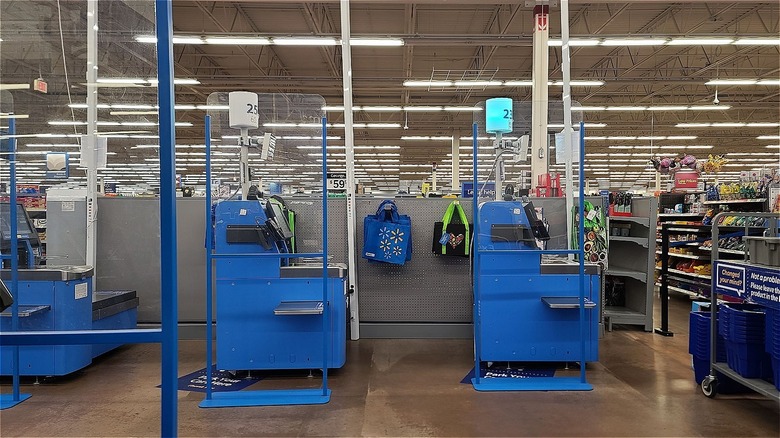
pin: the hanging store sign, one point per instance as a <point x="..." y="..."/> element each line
<point x="57" y="165"/>
<point x="686" y="179"/>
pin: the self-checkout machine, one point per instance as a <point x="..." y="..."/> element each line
<point x="530" y="305"/>
<point x="50" y="294"/>
<point x="275" y="309"/>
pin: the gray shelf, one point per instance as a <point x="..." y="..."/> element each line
<point x="685" y="292"/>
<point x="678" y="272"/>
<point x="623" y="272"/>
<point x="662" y="215"/>
<point x="687" y="256"/>
<point x="736" y="201"/>
<point x="636" y="219"/>
<point x="689" y="230"/>
<point x="760" y="386"/>
<point x="643" y="241"/>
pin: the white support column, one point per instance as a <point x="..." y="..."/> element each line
<point x="92" y="100"/>
<point x="456" y="162"/>
<point x="541" y="74"/>
<point x="567" y="129"/>
<point x="349" y="143"/>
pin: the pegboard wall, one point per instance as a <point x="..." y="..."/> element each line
<point x="428" y="288"/>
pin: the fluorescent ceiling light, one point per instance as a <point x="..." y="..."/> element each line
<point x="187" y="40"/>
<point x="380" y="108"/>
<point x="692" y="125"/>
<point x="710" y="107"/>
<point x="518" y="83"/>
<point x="179" y="81"/>
<point x="763" y="124"/>
<point x="180" y="39"/>
<point x="137" y="81"/>
<point x="383" y="125"/>
<point x="214" y="107"/>
<point x="423" y="108"/>
<point x="727" y="125"/>
<point x="589" y="108"/>
<point x="757" y="42"/>
<point x="626" y="108"/>
<point x="731" y="82"/>
<point x="700" y="41"/>
<point x="376" y="42"/>
<point x="580" y="83"/>
<point x="462" y="108"/>
<point x="681" y="137"/>
<point x="768" y="82"/>
<point x="14" y="116"/>
<point x="238" y="41"/>
<point x="14" y="86"/>
<point x="575" y="42"/>
<point x="65" y="123"/>
<point x="428" y="83"/>
<point x="468" y="83"/>
<point x="52" y="145"/>
<point x="323" y="41"/>
<point x="668" y="108"/>
<point x="698" y="147"/>
<point x="131" y="106"/>
<point x="633" y="42"/>
<point x="768" y="137"/>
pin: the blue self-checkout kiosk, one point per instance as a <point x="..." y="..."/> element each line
<point x="56" y="298"/>
<point x="527" y="305"/>
<point x="269" y="309"/>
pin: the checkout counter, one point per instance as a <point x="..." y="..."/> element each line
<point x="56" y="298"/>
<point x="269" y="307"/>
<point x="527" y="303"/>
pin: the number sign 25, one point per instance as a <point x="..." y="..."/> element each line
<point x="251" y="109"/>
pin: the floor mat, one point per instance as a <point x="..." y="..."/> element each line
<point x="221" y="381"/>
<point x="520" y="372"/>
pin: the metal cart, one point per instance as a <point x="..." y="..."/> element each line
<point x="709" y="385"/>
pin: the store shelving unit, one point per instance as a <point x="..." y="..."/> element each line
<point x="690" y="236"/>
<point x="632" y="259"/>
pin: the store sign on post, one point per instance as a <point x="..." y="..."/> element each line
<point x="686" y="179"/>
<point x="337" y="181"/>
<point x="57" y="165"/>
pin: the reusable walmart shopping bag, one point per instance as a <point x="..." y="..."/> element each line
<point x="387" y="235"/>
<point x="452" y="236"/>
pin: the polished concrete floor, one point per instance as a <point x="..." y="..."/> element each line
<point x="643" y="387"/>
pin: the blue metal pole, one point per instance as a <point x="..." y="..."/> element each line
<point x="475" y="255"/>
<point x="168" y="264"/>
<point x="14" y="253"/>
<point x="209" y="264"/>
<point x="325" y="304"/>
<point x="581" y="242"/>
